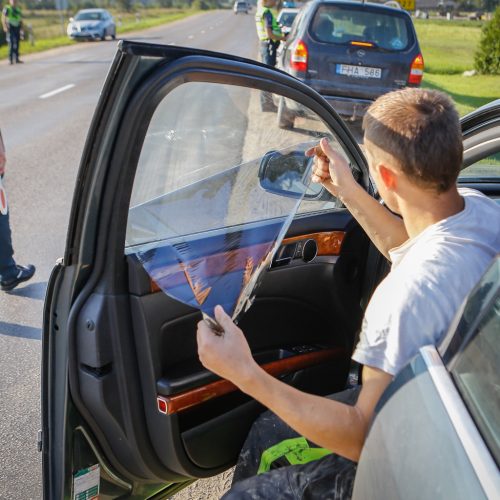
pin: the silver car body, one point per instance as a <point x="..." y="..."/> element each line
<point x="92" y="24"/>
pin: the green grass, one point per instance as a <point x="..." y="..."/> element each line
<point x="448" y="49"/>
<point x="48" y="30"/>
<point x="468" y="92"/>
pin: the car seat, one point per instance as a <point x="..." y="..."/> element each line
<point x="324" y="30"/>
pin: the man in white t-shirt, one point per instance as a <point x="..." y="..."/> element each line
<point x="440" y="243"/>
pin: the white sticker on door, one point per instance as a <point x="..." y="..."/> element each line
<point x="86" y="483"/>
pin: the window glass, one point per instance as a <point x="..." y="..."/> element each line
<point x="204" y="130"/>
<point x="287" y="18"/>
<point x="476" y="375"/>
<point x="218" y="183"/>
<point x="89" y="16"/>
<point x="486" y="168"/>
<point x="342" y="25"/>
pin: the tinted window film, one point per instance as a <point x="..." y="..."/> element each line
<point x="344" y="25"/>
<point x="476" y="375"/>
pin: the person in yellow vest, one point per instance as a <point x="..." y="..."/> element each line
<point x="270" y="36"/>
<point x="12" y="24"/>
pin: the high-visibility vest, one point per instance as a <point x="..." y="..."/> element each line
<point x="13" y="15"/>
<point x="261" y="25"/>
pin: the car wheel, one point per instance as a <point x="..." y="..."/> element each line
<point x="113" y="35"/>
<point x="103" y="35"/>
<point x="285" y="116"/>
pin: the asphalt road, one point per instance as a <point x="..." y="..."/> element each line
<point x="45" y="109"/>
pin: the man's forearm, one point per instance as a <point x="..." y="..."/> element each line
<point x="385" y="229"/>
<point x="330" y="424"/>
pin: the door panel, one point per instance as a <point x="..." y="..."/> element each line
<point x="302" y="324"/>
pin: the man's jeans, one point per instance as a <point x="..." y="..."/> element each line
<point x="328" y="478"/>
<point x="13" y="36"/>
<point x="8" y="268"/>
<point x="268" y="50"/>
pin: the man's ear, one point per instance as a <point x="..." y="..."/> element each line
<point x="388" y="176"/>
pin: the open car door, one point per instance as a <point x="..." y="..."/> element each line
<point x="128" y="410"/>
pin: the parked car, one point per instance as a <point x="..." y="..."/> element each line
<point x="285" y="19"/>
<point x="241" y="6"/>
<point x="350" y="53"/>
<point x="176" y="164"/>
<point x="92" y="24"/>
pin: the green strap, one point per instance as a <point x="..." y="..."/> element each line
<point x="295" y="450"/>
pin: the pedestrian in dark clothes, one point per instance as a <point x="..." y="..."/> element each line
<point x="11" y="274"/>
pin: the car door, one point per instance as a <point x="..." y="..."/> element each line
<point x="127" y="408"/>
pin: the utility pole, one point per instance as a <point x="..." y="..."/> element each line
<point x="62" y="6"/>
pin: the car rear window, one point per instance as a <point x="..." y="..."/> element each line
<point x="89" y="16"/>
<point x="348" y="25"/>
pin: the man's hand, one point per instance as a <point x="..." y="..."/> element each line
<point x="331" y="169"/>
<point x="227" y="355"/>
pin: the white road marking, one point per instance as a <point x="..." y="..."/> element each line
<point x="202" y="32"/>
<point x="172" y="43"/>
<point x="190" y="37"/>
<point x="57" y="91"/>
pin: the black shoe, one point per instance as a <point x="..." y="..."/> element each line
<point x="11" y="62"/>
<point x="24" y="273"/>
<point x="18" y="61"/>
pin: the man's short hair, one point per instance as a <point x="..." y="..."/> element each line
<point x="420" y="128"/>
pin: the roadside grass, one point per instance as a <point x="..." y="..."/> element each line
<point x="448" y="50"/>
<point x="468" y="92"/>
<point x="49" y="32"/>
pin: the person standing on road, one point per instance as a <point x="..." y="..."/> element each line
<point x="440" y="244"/>
<point x="270" y="36"/>
<point x="12" y="25"/>
<point x="11" y="274"/>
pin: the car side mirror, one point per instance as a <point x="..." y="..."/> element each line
<point x="71" y="19"/>
<point x="288" y="175"/>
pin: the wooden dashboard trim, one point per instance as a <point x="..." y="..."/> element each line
<point x="177" y="403"/>
<point x="328" y="242"/>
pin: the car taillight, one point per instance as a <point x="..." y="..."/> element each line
<point x="416" y="70"/>
<point x="298" y="59"/>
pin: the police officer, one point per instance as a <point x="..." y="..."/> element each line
<point x="12" y="23"/>
<point x="270" y="36"/>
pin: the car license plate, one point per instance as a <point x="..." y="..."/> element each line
<point x="359" y="71"/>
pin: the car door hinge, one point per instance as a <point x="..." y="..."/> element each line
<point x="40" y="440"/>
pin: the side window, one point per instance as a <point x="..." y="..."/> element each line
<point x="486" y="168"/>
<point x="476" y="376"/>
<point x="200" y="162"/>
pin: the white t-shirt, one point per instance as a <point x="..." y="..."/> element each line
<point x="430" y="277"/>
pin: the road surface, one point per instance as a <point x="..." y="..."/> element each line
<point x="45" y="110"/>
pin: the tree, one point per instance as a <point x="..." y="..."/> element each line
<point x="487" y="56"/>
<point x="125" y="5"/>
